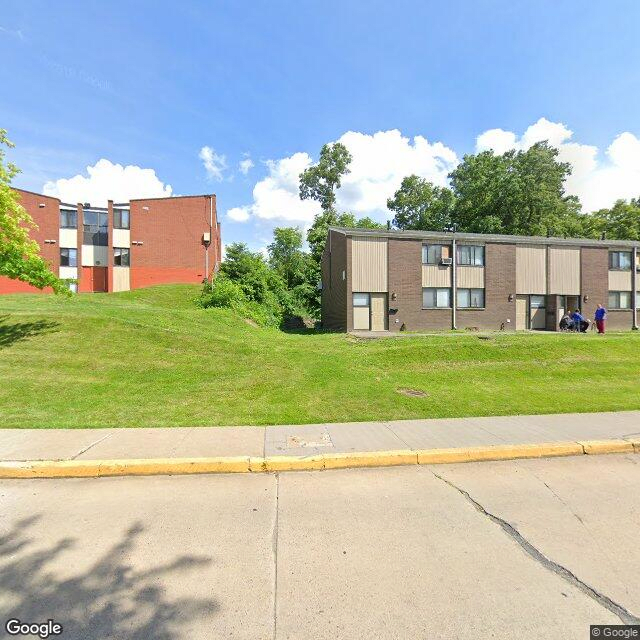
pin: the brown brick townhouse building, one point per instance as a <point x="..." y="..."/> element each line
<point x="392" y="280"/>
<point x="125" y="245"/>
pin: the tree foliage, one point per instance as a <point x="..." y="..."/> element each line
<point x="419" y="204"/>
<point x="320" y="181"/>
<point x="20" y="257"/>
<point x="621" y="222"/>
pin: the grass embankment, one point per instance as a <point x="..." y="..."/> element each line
<point x="151" y="358"/>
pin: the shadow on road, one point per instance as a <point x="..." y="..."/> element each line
<point x="111" y="599"/>
<point x="10" y="333"/>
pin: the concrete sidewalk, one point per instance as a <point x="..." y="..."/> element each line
<point x="313" y="440"/>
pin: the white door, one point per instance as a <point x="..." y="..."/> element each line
<point x="379" y="315"/>
<point x="522" y="309"/>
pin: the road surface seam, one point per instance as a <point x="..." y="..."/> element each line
<point x="625" y="616"/>
<point x="274" y="544"/>
<point x="93" y="444"/>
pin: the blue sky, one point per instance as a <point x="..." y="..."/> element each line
<point x="149" y="84"/>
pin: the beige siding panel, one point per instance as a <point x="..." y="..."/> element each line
<point x="531" y="269"/>
<point x="619" y="280"/>
<point x="93" y="256"/>
<point x="470" y="277"/>
<point x="522" y="305"/>
<point x="121" y="279"/>
<point x="68" y="238"/>
<point x="361" y="318"/>
<point x="564" y="270"/>
<point x="68" y="273"/>
<point x="369" y="264"/>
<point x="435" y="275"/>
<point x="121" y="238"/>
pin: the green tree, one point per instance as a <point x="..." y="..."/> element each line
<point x="320" y="181"/>
<point x="518" y="192"/>
<point x="286" y="256"/>
<point x="621" y="222"/>
<point x="420" y="205"/>
<point x="20" y="257"/>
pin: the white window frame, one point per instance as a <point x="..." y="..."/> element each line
<point x="617" y="306"/>
<point x="475" y="255"/>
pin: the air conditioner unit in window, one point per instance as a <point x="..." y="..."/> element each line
<point x="446" y="261"/>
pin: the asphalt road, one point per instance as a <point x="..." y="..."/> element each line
<point x="519" y="549"/>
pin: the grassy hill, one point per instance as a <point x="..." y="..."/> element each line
<point x="151" y="358"/>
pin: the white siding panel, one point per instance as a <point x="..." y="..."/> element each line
<point x="93" y="256"/>
<point x="68" y="238"/>
<point x="68" y="273"/>
<point x="121" y="238"/>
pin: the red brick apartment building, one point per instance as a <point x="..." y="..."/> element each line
<point x="378" y="280"/>
<point x="124" y="245"/>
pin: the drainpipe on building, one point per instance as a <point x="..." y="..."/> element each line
<point x="208" y="244"/>
<point x="634" y="288"/>
<point x="454" y="284"/>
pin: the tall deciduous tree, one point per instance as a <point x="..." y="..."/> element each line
<point x="320" y="181"/>
<point x="420" y="205"/>
<point x="20" y="257"/>
<point x="621" y="222"/>
<point x="286" y="256"/>
<point x="518" y="192"/>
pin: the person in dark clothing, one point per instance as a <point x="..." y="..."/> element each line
<point x="579" y="321"/>
<point x="566" y="323"/>
<point x="600" y="317"/>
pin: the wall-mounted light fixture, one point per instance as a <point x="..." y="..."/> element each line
<point x="394" y="296"/>
<point x="49" y="241"/>
<point x="41" y="205"/>
<point x="511" y="297"/>
<point x="586" y="298"/>
<point x="145" y="208"/>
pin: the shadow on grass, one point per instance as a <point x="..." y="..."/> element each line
<point x="110" y="598"/>
<point x="12" y="332"/>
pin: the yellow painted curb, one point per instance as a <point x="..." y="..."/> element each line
<point x="293" y="463"/>
<point x="499" y="452"/>
<point x="370" y="459"/>
<point x="593" y="447"/>
<point x="256" y="464"/>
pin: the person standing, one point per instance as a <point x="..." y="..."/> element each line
<point x="601" y="316"/>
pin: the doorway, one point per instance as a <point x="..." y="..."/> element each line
<point x="379" y="315"/>
<point x="522" y="313"/>
<point x="94" y="279"/>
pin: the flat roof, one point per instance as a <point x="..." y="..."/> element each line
<point x="482" y="237"/>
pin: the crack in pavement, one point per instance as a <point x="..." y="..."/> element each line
<point x="274" y="546"/>
<point x="625" y="616"/>
<point x="93" y="444"/>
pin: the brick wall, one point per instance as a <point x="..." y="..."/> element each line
<point x="499" y="283"/>
<point x="334" y="288"/>
<point x="171" y="232"/>
<point x="48" y="220"/>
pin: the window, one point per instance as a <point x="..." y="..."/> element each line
<point x="68" y="219"/>
<point x="619" y="299"/>
<point x="471" y="255"/>
<point x="433" y="298"/>
<point x="120" y="218"/>
<point x="433" y="253"/>
<point x="68" y="257"/>
<point x="620" y="260"/>
<point x="470" y="298"/>
<point x="360" y="299"/>
<point x="121" y="257"/>
<point x="537" y="302"/>
<point x="95" y="228"/>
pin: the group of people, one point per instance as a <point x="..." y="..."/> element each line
<point x="577" y="322"/>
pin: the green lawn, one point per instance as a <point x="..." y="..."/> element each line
<point x="151" y="358"/>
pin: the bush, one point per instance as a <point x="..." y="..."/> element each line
<point x="222" y="292"/>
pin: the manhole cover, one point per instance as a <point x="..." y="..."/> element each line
<point x="412" y="393"/>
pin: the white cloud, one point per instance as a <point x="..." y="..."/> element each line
<point x="245" y="166"/>
<point x="597" y="182"/>
<point x="380" y="162"/>
<point x="108" y="181"/>
<point x="213" y="163"/>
